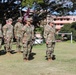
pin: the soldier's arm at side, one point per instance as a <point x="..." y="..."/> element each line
<point x="15" y="30"/>
<point x="45" y="32"/>
<point x="4" y="31"/>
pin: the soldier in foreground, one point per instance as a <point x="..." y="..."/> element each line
<point x="27" y="35"/>
<point x="49" y="35"/>
<point x="1" y="35"/>
<point x="8" y="35"/>
<point x="18" y="34"/>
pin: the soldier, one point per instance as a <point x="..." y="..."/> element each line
<point x="27" y="35"/>
<point x="18" y="34"/>
<point x="8" y="35"/>
<point x="1" y="35"/>
<point x="32" y="39"/>
<point x="49" y="35"/>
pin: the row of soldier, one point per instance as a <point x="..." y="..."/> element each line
<point x="24" y="34"/>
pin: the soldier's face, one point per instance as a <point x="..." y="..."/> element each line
<point x="51" y="24"/>
<point x="10" y="22"/>
<point x="28" y="22"/>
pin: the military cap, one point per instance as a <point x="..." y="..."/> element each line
<point x="28" y="19"/>
<point x="31" y="18"/>
<point x="10" y="19"/>
<point x="19" y="18"/>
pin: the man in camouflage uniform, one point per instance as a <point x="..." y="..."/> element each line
<point x="1" y="35"/>
<point x="18" y="34"/>
<point x="27" y="35"/>
<point x="49" y="35"/>
<point x="8" y="35"/>
<point x="32" y="28"/>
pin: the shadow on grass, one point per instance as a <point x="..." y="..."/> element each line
<point x="3" y="52"/>
<point x="31" y="57"/>
<point x="13" y="52"/>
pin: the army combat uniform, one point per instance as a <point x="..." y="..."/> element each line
<point x="32" y="39"/>
<point x="27" y="35"/>
<point x="1" y="35"/>
<point x="49" y="35"/>
<point x="18" y="34"/>
<point x="8" y="36"/>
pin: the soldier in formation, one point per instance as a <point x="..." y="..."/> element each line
<point x="27" y="36"/>
<point x="49" y="35"/>
<point x="18" y="34"/>
<point x="8" y="35"/>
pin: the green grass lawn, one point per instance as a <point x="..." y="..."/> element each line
<point x="65" y="63"/>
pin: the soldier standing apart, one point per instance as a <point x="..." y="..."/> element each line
<point x="27" y="35"/>
<point x="49" y="35"/>
<point x="18" y="34"/>
<point x="1" y="35"/>
<point x="8" y="35"/>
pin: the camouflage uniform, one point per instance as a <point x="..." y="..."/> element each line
<point x="32" y="39"/>
<point x="8" y="35"/>
<point x="27" y="35"/>
<point x="1" y="35"/>
<point x="18" y="34"/>
<point x="49" y="35"/>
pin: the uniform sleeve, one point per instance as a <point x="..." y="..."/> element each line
<point x="12" y="32"/>
<point x="15" y="29"/>
<point x="24" y="29"/>
<point x="45" y="32"/>
<point x="4" y="30"/>
<point x="33" y="33"/>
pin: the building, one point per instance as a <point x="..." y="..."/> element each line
<point x="61" y="20"/>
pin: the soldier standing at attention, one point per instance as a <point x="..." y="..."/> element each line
<point x="18" y="34"/>
<point x="32" y="39"/>
<point x="8" y="35"/>
<point x="49" y="35"/>
<point x="27" y="35"/>
<point x="1" y="35"/>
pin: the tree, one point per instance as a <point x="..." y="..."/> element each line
<point x="30" y="2"/>
<point x="69" y="28"/>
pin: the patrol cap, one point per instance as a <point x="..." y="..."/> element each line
<point x="28" y="19"/>
<point x="31" y="19"/>
<point x="10" y="19"/>
<point x="51" y="21"/>
<point x="19" y="18"/>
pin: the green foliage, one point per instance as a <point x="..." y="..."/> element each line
<point x="39" y="30"/>
<point x="58" y="37"/>
<point x="68" y="28"/>
<point x="30" y="2"/>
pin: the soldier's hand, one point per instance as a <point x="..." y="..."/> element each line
<point x="46" y="42"/>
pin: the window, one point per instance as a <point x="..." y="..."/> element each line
<point x="73" y="19"/>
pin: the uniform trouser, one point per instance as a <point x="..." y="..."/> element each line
<point x="31" y="43"/>
<point x="18" y="44"/>
<point x="50" y="49"/>
<point x="8" y="45"/>
<point x="0" y="42"/>
<point x="26" y="49"/>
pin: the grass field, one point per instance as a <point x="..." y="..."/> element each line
<point x="64" y="64"/>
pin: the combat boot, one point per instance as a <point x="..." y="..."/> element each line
<point x="25" y="59"/>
